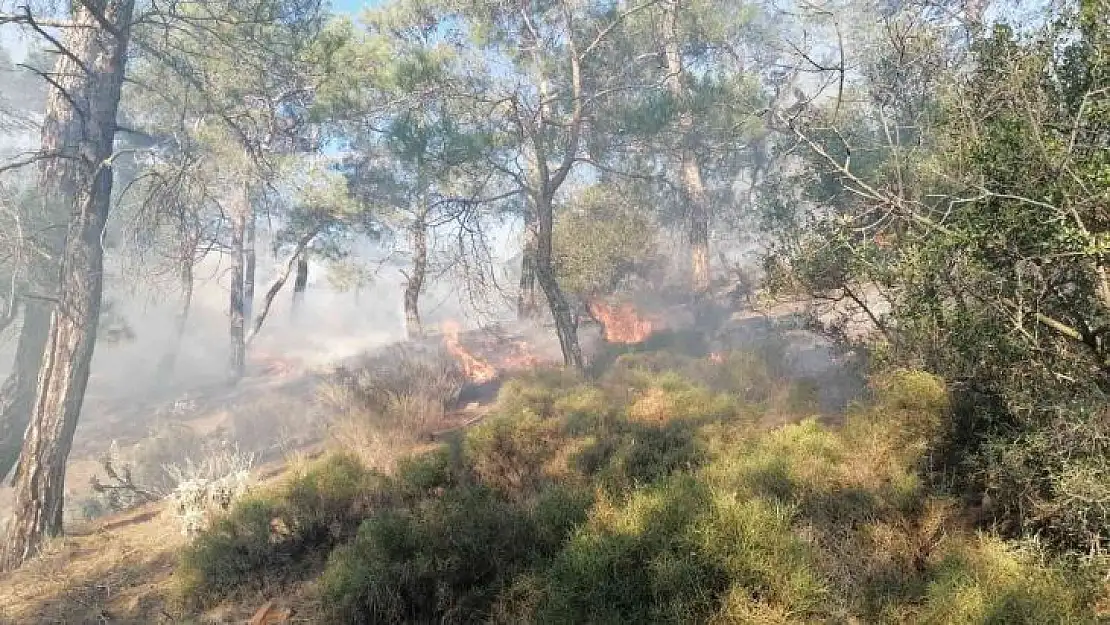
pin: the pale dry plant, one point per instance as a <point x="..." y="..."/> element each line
<point x="209" y="488"/>
<point x="385" y="403"/>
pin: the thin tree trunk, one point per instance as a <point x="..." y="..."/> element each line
<point x="80" y="121"/>
<point x="693" y="188"/>
<point x="275" y="286"/>
<point x="300" y="283"/>
<point x="17" y="396"/>
<point x="181" y="322"/>
<point x="250" y="261"/>
<point x="415" y="282"/>
<point x="565" y="326"/>
<point x="527" y="305"/>
<point x="237" y="357"/>
<point x="698" y="233"/>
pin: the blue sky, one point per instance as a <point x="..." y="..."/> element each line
<point x="354" y="7"/>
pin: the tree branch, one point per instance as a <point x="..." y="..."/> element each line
<point x="279" y="282"/>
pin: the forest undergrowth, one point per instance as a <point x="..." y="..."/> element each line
<point x="664" y="489"/>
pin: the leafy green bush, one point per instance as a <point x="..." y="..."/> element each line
<point x="510" y="454"/>
<point x="307" y="515"/>
<point x="620" y="243"/>
<point x="237" y="550"/>
<point x="536" y="392"/>
<point x="447" y="559"/>
<point x="636" y="562"/>
<point x="986" y="581"/>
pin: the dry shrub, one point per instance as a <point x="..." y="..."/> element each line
<point x="389" y="401"/>
<point x="207" y="488"/>
<point x="169" y="444"/>
<point x="405" y="370"/>
<point x="141" y="473"/>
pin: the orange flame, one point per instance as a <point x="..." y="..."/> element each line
<point x="473" y="367"/>
<point x="716" y="357"/>
<point x="621" y="324"/>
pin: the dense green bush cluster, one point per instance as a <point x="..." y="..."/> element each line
<point x="577" y="503"/>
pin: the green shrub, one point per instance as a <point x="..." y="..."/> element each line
<point x="754" y="542"/>
<point x="650" y="503"/>
<point x="423" y="474"/>
<point x="639" y="370"/>
<point x="917" y="392"/>
<point x="989" y="582"/>
<point x="308" y="515"/>
<point x="643" y="455"/>
<point x="510" y="453"/>
<point x="536" y="392"/>
<point x="326" y="504"/>
<point x="584" y="408"/>
<point x="236" y="550"/>
<point x="636" y="562"/>
<point x="664" y="349"/>
<point x="744" y="374"/>
<point x="447" y="559"/>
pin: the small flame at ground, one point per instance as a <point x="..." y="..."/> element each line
<point x="716" y="357"/>
<point x="621" y="324"/>
<point x="473" y="367"/>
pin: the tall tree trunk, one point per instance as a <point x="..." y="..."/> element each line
<point x="300" y="283"/>
<point x="415" y="280"/>
<point x="237" y="357"/>
<point x="80" y="122"/>
<point x="698" y="232"/>
<point x="250" y="261"/>
<point x="527" y="304"/>
<point x="17" y="396"/>
<point x="693" y="188"/>
<point x="565" y="325"/>
<point x="180" y="322"/>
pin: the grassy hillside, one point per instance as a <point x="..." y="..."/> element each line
<point x="664" y="490"/>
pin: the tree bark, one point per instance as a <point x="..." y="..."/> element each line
<point x="17" y="396"/>
<point x="80" y="122"/>
<point x="698" y="233"/>
<point x="414" y="284"/>
<point x="237" y="357"/>
<point x="300" y="283"/>
<point x="275" y="286"/>
<point x="250" y="262"/>
<point x="527" y="304"/>
<point x="565" y="326"/>
<point x="693" y="187"/>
